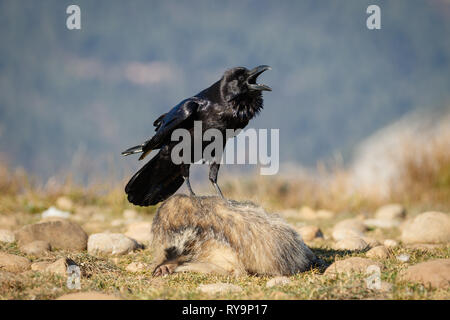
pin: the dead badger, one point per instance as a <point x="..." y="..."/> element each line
<point x="208" y="234"/>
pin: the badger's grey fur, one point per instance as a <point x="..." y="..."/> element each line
<point x="209" y="234"/>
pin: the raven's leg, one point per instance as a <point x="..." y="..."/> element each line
<point x="213" y="172"/>
<point x="185" y="173"/>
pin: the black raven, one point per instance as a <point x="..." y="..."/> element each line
<point x="230" y="103"/>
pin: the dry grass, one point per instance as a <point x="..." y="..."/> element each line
<point x="425" y="173"/>
<point x="108" y="275"/>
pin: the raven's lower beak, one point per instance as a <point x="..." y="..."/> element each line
<point x="253" y="75"/>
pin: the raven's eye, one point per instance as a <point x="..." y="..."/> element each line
<point x="241" y="78"/>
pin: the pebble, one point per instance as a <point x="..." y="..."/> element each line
<point x="353" y="244"/>
<point x="110" y="243"/>
<point x="351" y="265"/>
<point x="138" y="267"/>
<point x="428" y="227"/>
<point x="379" y="252"/>
<point x="310" y="233"/>
<point x="403" y="257"/>
<point x="61" y="234"/>
<point x="52" y="212"/>
<point x="434" y="273"/>
<point x="278" y="281"/>
<point x="389" y="243"/>
<point x="13" y="263"/>
<point x="7" y="236"/>
<point x="64" y="203"/>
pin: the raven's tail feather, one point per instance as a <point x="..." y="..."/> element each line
<point x="157" y="180"/>
<point x="144" y="153"/>
<point x="133" y="150"/>
<point x="137" y="149"/>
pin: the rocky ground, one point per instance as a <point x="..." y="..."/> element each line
<point x="390" y="253"/>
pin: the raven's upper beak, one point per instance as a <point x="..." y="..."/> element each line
<point x="253" y="74"/>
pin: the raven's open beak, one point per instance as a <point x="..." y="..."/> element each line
<point x="253" y="75"/>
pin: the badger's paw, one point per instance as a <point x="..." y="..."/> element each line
<point x="164" y="269"/>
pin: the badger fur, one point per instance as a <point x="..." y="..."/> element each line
<point x="211" y="235"/>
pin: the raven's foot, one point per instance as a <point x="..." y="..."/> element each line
<point x="188" y="184"/>
<point x="219" y="192"/>
<point x="164" y="269"/>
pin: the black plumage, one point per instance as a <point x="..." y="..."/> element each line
<point x="230" y="103"/>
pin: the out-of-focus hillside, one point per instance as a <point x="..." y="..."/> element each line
<point x="416" y="147"/>
<point x="72" y="100"/>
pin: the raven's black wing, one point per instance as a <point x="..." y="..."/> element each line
<point x="167" y="123"/>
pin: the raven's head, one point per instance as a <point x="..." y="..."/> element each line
<point x="240" y="82"/>
<point x="238" y="86"/>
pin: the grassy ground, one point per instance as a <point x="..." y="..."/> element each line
<point x="108" y="274"/>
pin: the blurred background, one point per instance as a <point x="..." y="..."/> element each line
<point x="71" y="101"/>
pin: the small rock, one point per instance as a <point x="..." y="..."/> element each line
<point x="110" y="243"/>
<point x="7" y="236"/>
<point x="278" y="281"/>
<point x="40" y="266"/>
<point x="61" y="234"/>
<point x="340" y="234"/>
<point x="354" y="243"/>
<point x="389" y="243"/>
<point x="349" y="228"/>
<point x="379" y="223"/>
<point x="137" y="267"/>
<point x="428" y="227"/>
<point x="140" y="231"/>
<point x="130" y="214"/>
<point x="435" y="273"/>
<point x="36" y="248"/>
<point x="219" y="287"/>
<point x="52" y="212"/>
<point x="13" y="263"/>
<point x="60" y="266"/>
<point x="64" y="203"/>
<point x="89" y="295"/>
<point x="310" y="233"/>
<point x="391" y="212"/>
<point x="351" y="265"/>
<point x="306" y="213"/>
<point x="371" y="242"/>
<point x="403" y="257"/>
<point x="379" y="252"/>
